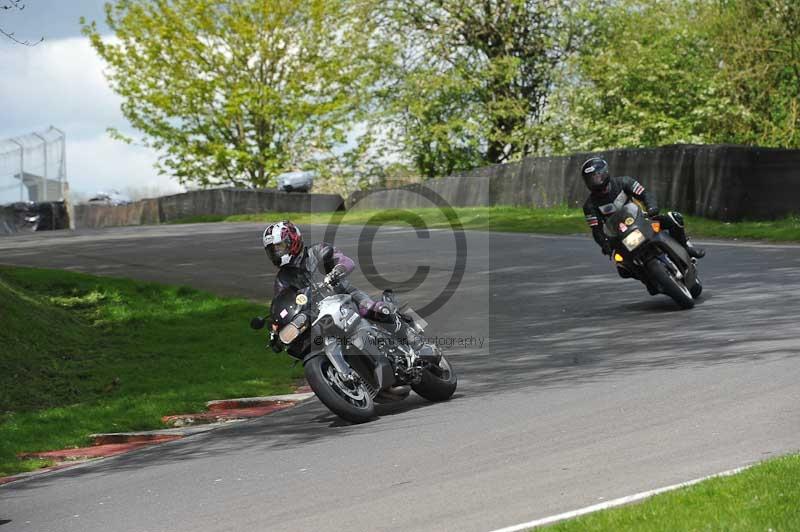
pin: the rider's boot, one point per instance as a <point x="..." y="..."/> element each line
<point x="695" y="252"/>
<point x="386" y="312"/>
<point x="678" y="232"/>
<point x="427" y="352"/>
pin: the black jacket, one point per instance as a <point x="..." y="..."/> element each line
<point x="319" y="258"/>
<point x="620" y="191"/>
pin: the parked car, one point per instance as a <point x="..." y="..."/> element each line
<point x="32" y="216"/>
<point x="109" y="198"/>
<point x="296" y="181"/>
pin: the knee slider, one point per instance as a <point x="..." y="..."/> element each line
<point x="677" y="218"/>
<point x="382" y="311"/>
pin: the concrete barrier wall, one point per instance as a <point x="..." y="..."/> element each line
<point x="230" y="201"/>
<point x="723" y="182"/>
<point x="137" y="213"/>
<point x="223" y="202"/>
<point x="455" y="191"/>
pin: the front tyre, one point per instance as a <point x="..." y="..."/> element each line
<point x="669" y="284"/>
<point x="438" y="382"/>
<point x="350" y="401"/>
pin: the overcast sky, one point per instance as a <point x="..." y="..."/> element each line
<point x="60" y="82"/>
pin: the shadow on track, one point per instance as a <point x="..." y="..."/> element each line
<point x="308" y="423"/>
<point x="553" y="316"/>
<point x="664" y="304"/>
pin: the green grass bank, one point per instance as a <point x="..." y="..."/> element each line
<point x="764" y="497"/>
<point x="84" y="354"/>
<point x="559" y="220"/>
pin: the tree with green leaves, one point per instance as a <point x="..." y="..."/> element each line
<point x="759" y="64"/>
<point x="237" y="92"/>
<point x="472" y="78"/>
<point x="643" y="80"/>
<point x="683" y="71"/>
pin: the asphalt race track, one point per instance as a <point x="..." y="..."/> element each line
<point x="584" y="389"/>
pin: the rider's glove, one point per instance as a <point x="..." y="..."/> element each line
<point x="335" y="275"/>
<point x="652" y="211"/>
<point x="275" y="343"/>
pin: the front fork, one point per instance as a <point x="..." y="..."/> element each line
<point x="383" y="372"/>
<point x="671" y="265"/>
<point x="333" y="350"/>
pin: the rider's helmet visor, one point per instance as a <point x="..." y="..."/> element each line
<point x="276" y="252"/>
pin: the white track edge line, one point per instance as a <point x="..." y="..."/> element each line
<point x="615" y="502"/>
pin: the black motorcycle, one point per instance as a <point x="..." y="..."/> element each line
<point x="652" y="255"/>
<point x="350" y="362"/>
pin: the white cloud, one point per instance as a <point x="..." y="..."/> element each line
<point x="57" y="82"/>
<point x="102" y="163"/>
<point x="61" y="82"/>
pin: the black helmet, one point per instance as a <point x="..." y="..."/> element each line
<point x="595" y="174"/>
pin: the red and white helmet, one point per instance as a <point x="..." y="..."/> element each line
<point x="282" y="242"/>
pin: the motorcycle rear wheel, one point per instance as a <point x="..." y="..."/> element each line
<point x="697" y="288"/>
<point x="350" y="402"/>
<point x="439" y="387"/>
<point x="669" y="284"/>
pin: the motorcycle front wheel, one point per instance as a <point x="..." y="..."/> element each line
<point x="669" y="284"/>
<point x="438" y="383"/>
<point x="350" y="401"/>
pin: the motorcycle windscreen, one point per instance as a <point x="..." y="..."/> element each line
<point x="619" y="223"/>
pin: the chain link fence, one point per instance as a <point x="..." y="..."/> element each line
<point x="33" y="167"/>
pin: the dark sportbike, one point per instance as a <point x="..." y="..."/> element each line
<point x="652" y="255"/>
<point x="350" y="362"/>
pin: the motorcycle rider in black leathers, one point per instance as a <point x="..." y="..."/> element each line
<point x="605" y="190"/>
<point x="297" y="263"/>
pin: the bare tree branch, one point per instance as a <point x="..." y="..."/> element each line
<point x="19" y="6"/>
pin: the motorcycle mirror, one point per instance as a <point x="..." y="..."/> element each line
<point x="257" y="323"/>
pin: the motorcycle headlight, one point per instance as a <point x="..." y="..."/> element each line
<point x="293" y="329"/>
<point x="633" y="240"/>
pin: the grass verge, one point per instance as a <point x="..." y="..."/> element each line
<point x="84" y="354"/>
<point x="763" y="497"/>
<point x="558" y="220"/>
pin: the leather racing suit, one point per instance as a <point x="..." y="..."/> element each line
<point x="322" y="258"/>
<point x="622" y="190"/>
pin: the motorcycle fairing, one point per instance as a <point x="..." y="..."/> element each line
<point x="614" y="206"/>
